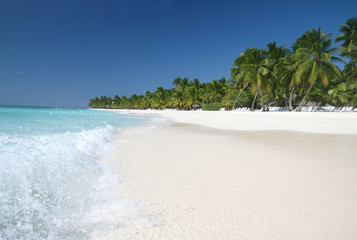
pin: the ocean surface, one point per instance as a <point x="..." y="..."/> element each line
<point x="52" y="182"/>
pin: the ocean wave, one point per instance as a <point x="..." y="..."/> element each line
<point x="51" y="183"/>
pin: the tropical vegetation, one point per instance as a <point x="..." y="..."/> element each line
<point x="308" y="73"/>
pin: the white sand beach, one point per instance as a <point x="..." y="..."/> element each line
<point x="293" y="177"/>
<point x="314" y="122"/>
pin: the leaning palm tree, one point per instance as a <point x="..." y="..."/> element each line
<point x="252" y="70"/>
<point x="239" y="83"/>
<point x="348" y="33"/>
<point x="315" y="57"/>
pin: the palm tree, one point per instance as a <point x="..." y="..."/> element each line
<point x="253" y="71"/>
<point x="273" y="56"/>
<point x="336" y="94"/>
<point x="349" y="33"/>
<point x="133" y="101"/>
<point x="195" y="83"/>
<point x="214" y="91"/>
<point x="238" y="84"/>
<point x="352" y="94"/>
<point x="124" y="102"/>
<point x="92" y="103"/>
<point x="181" y="84"/>
<point x="149" y="99"/>
<point x="286" y="74"/>
<point x="142" y="102"/>
<point x="116" y="101"/>
<point x="315" y="60"/>
<point x="160" y="97"/>
<point x="193" y="94"/>
<point x="177" y="100"/>
<point x="349" y="47"/>
<point x="350" y="69"/>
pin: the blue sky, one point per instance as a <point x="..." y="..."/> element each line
<point x="62" y="53"/>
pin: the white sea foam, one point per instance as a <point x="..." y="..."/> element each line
<point x="56" y="187"/>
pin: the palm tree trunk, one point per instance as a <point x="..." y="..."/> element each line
<point x="286" y="102"/>
<point x="304" y="99"/>
<point x="255" y="97"/>
<point x="262" y="96"/>
<point x="240" y="92"/>
<point x="291" y="108"/>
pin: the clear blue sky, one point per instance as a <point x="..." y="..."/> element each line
<point x="64" y="52"/>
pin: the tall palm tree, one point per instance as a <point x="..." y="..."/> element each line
<point x="315" y="56"/>
<point x="348" y="33"/>
<point x="273" y="55"/>
<point x="254" y="71"/>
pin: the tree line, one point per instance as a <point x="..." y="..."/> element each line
<point x="260" y="78"/>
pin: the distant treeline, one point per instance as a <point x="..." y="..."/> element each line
<point x="274" y="76"/>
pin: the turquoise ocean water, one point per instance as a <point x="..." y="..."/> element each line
<point x="51" y="176"/>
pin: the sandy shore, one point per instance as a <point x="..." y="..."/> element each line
<point x="314" y="122"/>
<point x="191" y="182"/>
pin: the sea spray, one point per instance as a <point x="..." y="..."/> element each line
<point x="52" y="181"/>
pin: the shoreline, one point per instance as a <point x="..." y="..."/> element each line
<point x="309" y="122"/>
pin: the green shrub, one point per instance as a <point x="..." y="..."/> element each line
<point x="212" y="106"/>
